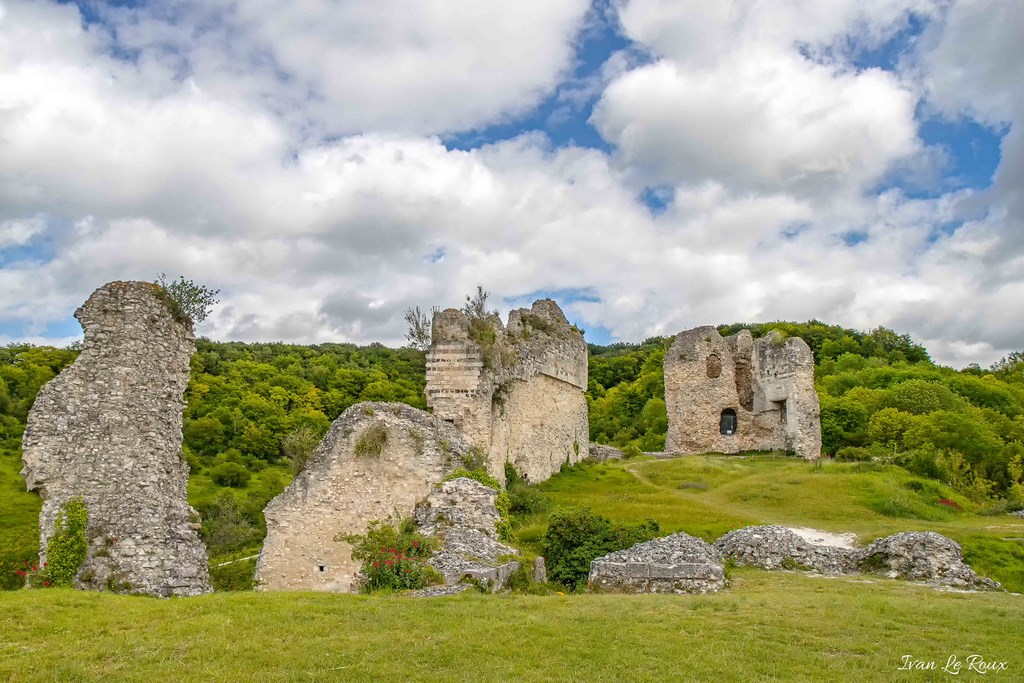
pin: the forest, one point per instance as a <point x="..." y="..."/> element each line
<point x="257" y="411"/>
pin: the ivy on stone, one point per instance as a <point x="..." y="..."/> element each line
<point x="68" y="546"/>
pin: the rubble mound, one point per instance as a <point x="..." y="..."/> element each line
<point x="463" y="514"/>
<point x="776" y="547"/>
<point x="921" y="556"/>
<point x="674" y="564"/>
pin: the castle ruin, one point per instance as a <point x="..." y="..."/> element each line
<point x="737" y="393"/>
<point x="108" y="429"/>
<point x="378" y="459"/>
<point x="516" y="390"/>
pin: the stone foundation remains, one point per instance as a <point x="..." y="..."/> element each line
<point x="736" y="393"/>
<point x="516" y="390"/>
<point x="108" y="429"/>
<point x="911" y="555"/>
<point x="776" y="547"/>
<point x="674" y="564"/>
<point x="378" y="459"/>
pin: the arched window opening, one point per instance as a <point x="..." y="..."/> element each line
<point x="714" y="365"/>
<point x="727" y="423"/>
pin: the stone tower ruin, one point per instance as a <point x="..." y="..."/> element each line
<point x="738" y="393"/>
<point x="108" y="429"/>
<point x="516" y="391"/>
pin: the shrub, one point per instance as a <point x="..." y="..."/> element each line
<point x="225" y="525"/>
<point x="577" y="536"/>
<point x="631" y="451"/>
<point x="234" y="576"/>
<point x="394" y="556"/>
<point x="299" y="445"/>
<point x="853" y="454"/>
<point x="371" y="442"/>
<point x="186" y="300"/>
<point x="523" y="499"/>
<point x="231" y="474"/>
<point x="68" y="546"/>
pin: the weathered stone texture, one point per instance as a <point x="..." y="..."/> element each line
<point x="602" y="453"/>
<point x="767" y="382"/>
<point x="108" y="429"/>
<point x="776" y="547"/>
<point x="911" y="555"/>
<point x="463" y="514"/>
<point x="519" y="397"/>
<point x="345" y="485"/>
<point x="674" y="564"/>
<point x="921" y="556"/>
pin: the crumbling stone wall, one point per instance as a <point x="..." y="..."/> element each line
<point x="767" y="382"/>
<point x="108" y="429"/>
<point x="515" y="390"/>
<point x="463" y="514"/>
<point x="377" y="459"/>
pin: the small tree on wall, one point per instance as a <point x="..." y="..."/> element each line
<point x="418" y="334"/>
<point x="187" y="299"/>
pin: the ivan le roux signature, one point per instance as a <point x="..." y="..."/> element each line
<point x="954" y="665"/>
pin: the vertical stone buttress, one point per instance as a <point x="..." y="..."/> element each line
<point x="108" y="429"/>
<point x="516" y="392"/>
<point x="767" y="382"/>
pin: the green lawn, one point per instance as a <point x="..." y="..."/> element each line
<point x="768" y="626"/>
<point x="19" y="521"/>
<point x="707" y="496"/>
<point x="765" y="626"/>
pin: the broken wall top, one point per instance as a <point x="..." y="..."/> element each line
<point x="537" y="341"/>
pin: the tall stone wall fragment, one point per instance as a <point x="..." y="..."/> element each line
<point x="377" y="459"/>
<point x="737" y="393"/>
<point x="516" y="390"/>
<point x="108" y="429"/>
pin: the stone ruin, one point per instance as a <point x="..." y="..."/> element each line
<point x="377" y="460"/>
<point x="108" y="429"/>
<point x="463" y="514"/>
<point x="911" y="555"/>
<point x="678" y="563"/>
<point x="776" y="547"/>
<point x="738" y="393"/>
<point x="516" y="390"/>
<point x="921" y="556"/>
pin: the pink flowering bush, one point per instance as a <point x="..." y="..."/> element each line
<point x="394" y="557"/>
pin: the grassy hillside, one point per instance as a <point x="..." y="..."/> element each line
<point x="19" y="515"/>
<point x="709" y="495"/>
<point x="767" y="627"/>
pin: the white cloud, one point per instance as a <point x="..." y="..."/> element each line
<point x="424" y="67"/>
<point x="782" y="122"/>
<point x="16" y="233"/>
<point x="197" y="162"/>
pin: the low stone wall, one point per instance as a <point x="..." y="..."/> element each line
<point x="674" y="564"/>
<point x="776" y="547"/>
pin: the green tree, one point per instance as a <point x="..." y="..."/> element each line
<point x="188" y="299"/>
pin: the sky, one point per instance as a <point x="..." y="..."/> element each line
<point x="653" y="165"/>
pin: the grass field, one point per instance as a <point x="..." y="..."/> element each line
<point x="709" y="495"/>
<point x="19" y="521"/>
<point x="766" y="626"/>
<point x="779" y="626"/>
